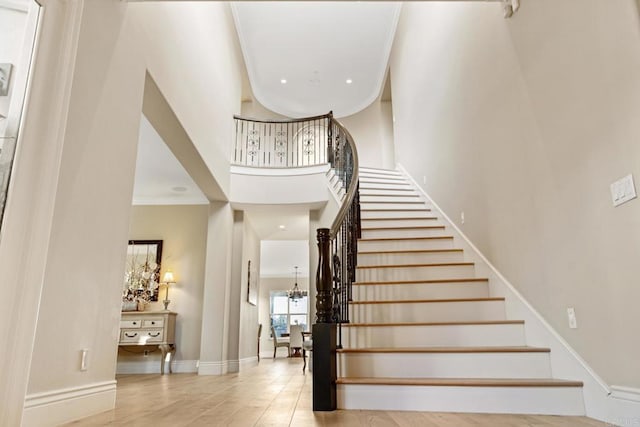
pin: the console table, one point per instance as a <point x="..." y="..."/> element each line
<point x="150" y="328"/>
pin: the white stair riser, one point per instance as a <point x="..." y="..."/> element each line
<point x="399" y="245"/>
<point x="383" y="179"/>
<point x="389" y="191"/>
<point x="407" y="232"/>
<point x="385" y="185"/>
<point x="524" y="400"/>
<point x="406" y="205"/>
<point x="414" y="273"/>
<point x="364" y="198"/>
<point x="409" y="258"/>
<point x="426" y="336"/>
<point x="378" y="172"/>
<point x="444" y="365"/>
<point x="428" y="312"/>
<point x="399" y="223"/>
<point x="421" y="222"/>
<point x="420" y="291"/>
<point x="396" y="214"/>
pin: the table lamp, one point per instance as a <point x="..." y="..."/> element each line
<point x="167" y="280"/>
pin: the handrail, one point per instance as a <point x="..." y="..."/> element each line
<point x="301" y="119"/>
<point x="353" y="185"/>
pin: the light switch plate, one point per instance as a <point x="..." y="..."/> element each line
<point x="571" y="314"/>
<point x="623" y="190"/>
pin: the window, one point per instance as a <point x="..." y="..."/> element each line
<point x="285" y="312"/>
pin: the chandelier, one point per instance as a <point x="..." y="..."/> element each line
<point x="296" y="293"/>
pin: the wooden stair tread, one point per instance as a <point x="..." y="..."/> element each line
<point x="485" y="349"/>
<point x="387" y="195"/>
<point x="427" y="301"/>
<point x="407" y="227"/>
<point x="404" y="238"/>
<point x="414" y="218"/>
<point x="386" y="189"/>
<point x="426" y="282"/>
<point x="438" y="264"/>
<point x="419" y="202"/>
<point x="464" y="382"/>
<point x="394" y="210"/>
<point x="459" y="323"/>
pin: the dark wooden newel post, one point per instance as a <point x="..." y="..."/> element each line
<point x="324" y="331"/>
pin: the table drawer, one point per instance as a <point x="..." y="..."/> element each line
<point x="142" y="337"/>
<point x="153" y="323"/>
<point x="130" y="324"/>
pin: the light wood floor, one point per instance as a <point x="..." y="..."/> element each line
<point x="274" y="393"/>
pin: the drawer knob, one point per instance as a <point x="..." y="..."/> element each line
<point x="153" y="323"/>
<point x="135" y="323"/>
<point x="154" y="336"/>
<point x="133" y="335"/>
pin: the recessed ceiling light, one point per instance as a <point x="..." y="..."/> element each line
<point x="283" y="81"/>
<point x="281" y="227"/>
<point x="349" y="81"/>
<point x="179" y="189"/>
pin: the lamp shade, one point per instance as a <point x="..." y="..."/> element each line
<point x="168" y="277"/>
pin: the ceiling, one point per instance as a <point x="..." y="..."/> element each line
<point x="279" y="257"/>
<point x="160" y="178"/>
<point x="316" y="47"/>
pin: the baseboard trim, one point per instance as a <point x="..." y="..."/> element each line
<point x="213" y="368"/>
<point x="248" y="362"/>
<point x="60" y="406"/>
<point x="153" y="367"/>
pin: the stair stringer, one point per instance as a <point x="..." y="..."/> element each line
<point x="565" y="361"/>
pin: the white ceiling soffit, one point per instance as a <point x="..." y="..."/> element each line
<point x="316" y="47"/>
<point x="160" y="178"/>
<point x="279" y="222"/>
<point x="279" y="257"/>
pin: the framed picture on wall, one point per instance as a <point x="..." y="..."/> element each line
<point x="252" y="285"/>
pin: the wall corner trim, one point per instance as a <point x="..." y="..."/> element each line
<point x="67" y="404"/>
<point x="625" y="393"/>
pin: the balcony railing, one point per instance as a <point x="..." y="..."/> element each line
<point x="281" y="144"/>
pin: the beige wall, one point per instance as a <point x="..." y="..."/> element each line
<point x="372" y="132"/>
<point x="183" y="231"/>
<point x="523" y="124"/>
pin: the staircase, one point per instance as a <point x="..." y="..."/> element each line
<point x="425" y="332"/>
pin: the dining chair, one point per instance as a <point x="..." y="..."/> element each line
<point x="295" y="339"/>
<point x="307" y="345"/>
<point x="259" y="335"/>
<point x="279" y="342"/>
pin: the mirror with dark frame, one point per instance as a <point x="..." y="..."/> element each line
<point x="142" y="273"/>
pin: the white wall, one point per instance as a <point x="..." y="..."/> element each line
<point x="523" y="124"/>
<point x="372" y="131"/>
<point x="190" y="49"/>
<point x="183" y="231"/>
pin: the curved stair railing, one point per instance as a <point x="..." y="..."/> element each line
<point x="307" y="142"/>
<point x="337" y="249"/>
